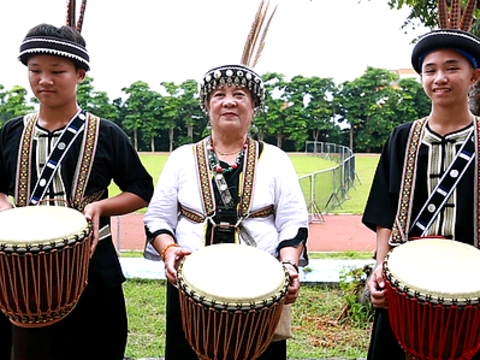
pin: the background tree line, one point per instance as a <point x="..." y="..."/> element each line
<point x="359" y="113"/>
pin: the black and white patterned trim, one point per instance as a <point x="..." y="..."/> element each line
<point x="53" y="46"/>
<point x="229" y="75"/>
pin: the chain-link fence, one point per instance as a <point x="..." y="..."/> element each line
<point x="327" y="189"/>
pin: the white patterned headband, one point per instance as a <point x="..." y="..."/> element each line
<point x="228" y="75"/>
<point x="45" y="45"/>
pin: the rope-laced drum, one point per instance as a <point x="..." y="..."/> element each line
<point x="433" y="288"/>
<point x="231" y="298"/>
<point x="44" y="254"/>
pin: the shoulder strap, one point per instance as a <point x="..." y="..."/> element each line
<point x="447" y="184"/>
<point x="402" y="220"/>
<point x="84" y="166"/>
<point x="22" y="178"/>
<point x="61" y="148"/>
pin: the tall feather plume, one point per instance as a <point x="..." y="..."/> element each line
<point x="250" y="43"/>
<point x="262" y="40"/>
<point x="455" y="13"/>
<point x="71" y="5"/>
<point x="468" y="15"/>
<point x="71" y="14"/>
<point x="82" y="15"/>
<point x="254" y="35"/>
<point x="443" y="14"/>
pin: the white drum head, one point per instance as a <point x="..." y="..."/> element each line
<point x="233" y="273"/>
<point x="440" y="268"/>
<point x="40" y="225"/>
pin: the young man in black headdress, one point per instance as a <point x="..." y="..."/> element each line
<point x="448" y="63"/>
<point x="57" y="62"/>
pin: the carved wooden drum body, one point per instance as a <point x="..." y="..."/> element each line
<point x="232" y="298"/>
<point x="44" y="255"/>
<point x="433" y="288"/>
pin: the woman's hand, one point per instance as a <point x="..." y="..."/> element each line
<point x="173" y="255"/>
<point x="376" y="286"/>
<point x="294" y="286"/>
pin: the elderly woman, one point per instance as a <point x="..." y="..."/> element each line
<point x="228" y="188"/>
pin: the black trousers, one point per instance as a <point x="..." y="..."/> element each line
<point x="383" y="343"/>
<point x="177" y="346"/>
<point x="95" y="329"/>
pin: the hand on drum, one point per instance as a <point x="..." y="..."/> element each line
<point x="92" y="213"/>
<point x="376" y="286"/>
<point x="294" y="287"/>
<point x="173" y="255"/>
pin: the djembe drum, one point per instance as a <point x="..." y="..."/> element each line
<point x="433" y="289"/>
<point x="44" y="254"/>
<point x="231" y="298"/>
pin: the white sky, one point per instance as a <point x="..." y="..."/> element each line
<point x="176" y="40"/>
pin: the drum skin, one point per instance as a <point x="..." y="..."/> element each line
<point x="433" y="291"/>
<point x="231" y="298"/>
<point x="44" y="254"/>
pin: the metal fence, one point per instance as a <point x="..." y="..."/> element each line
<point x="327" y="189"/>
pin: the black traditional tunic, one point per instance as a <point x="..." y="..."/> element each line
<point x="98" y="324"/>
<point x="456" y="221"/>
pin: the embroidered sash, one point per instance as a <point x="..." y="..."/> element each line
<point x="446" y="186"/>
<point x="23" y="179"/>
<point x="206" y="188"/>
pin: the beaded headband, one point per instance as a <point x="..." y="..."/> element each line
<point x="453" y="34"/>
<point x="45" y="45"/>
<point x="236" y="75"/>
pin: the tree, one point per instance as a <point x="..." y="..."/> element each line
<point x="366" y="103"/>
<point x="171" y="111"/>
<point x="425" y="11"/>
<point x="413" y="103"/>
<point x="274" y="87"/>
<point x="13" y="103"/>
<point x="190" y="114"/>
<point x="320" y="109"/>
<point x="137" y="113"/>
<point x="96" y="102"/>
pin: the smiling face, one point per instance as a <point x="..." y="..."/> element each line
<point x="447" y="76"/>
<point x="230" y="110"/>
<point x="54" y="80"/>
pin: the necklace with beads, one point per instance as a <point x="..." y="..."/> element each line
<point x="215" y="163"/>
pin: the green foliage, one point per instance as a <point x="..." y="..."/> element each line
<point x="13" y="103"/>
<point x="297" y="110"/>
<point x="424" y="11"/>
<point x="357" y="310"/>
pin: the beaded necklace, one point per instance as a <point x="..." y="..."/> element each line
<point x="215" y="163"/>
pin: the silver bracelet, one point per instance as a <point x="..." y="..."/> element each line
<point x="291" y="263"/>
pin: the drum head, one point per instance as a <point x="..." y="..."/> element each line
<point x="440" y="268"/>
<point x="233" y="274"/>
<point x="35" y="225"/>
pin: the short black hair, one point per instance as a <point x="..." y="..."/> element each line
<point x="64" y="34"/>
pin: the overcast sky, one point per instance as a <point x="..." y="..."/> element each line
<point x="176" y="40"/>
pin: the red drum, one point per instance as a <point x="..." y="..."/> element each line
<point x="433" y="289"/>
<point x="44" y="255"/>
<point x="231" y="298"/>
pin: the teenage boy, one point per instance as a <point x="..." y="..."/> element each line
<point x="57" y="62"/>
